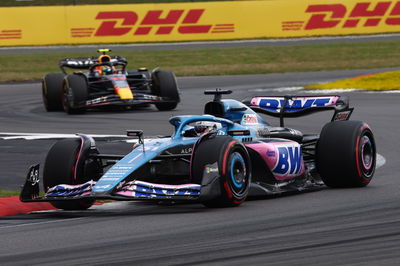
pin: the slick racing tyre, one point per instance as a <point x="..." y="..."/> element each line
<point x="52" y="87"/>
<point x="61" y="167"/>
<point x="346" y="154"/>
<point x="75" y="92"/>
<point x="233" y="162"/>
<point x="164" y="85"/>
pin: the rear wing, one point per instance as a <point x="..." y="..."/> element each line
<point x="86" y="63"/>
<point x="295" y="106"/>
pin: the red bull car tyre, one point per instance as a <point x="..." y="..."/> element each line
<point x="164" y="85"/>
<point x="51" y="91"/>
<point x="75" y="90"/>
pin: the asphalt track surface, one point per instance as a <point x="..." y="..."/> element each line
<point x="327" y="227"/>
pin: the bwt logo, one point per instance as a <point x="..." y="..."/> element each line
<point x="289" y="161"/>
<point x="119" y="23"/>
<point x="362" y="14"/>
<point x="275" y="104"/>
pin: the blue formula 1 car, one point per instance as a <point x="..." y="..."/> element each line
<point x="217" y="159"/>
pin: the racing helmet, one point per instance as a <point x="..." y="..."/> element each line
<point x="205" y="126"/>
<point x="104" y="58"/>
<point x="107" y="70"/>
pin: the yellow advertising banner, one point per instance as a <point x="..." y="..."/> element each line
<point x="195" y="21"/>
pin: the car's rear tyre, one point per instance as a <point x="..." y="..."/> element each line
<point x="52" y="87"/>
<point x="346" y="154"/>
<point x="75" y="92"/>
<point x="61" y="167"/>
<point x="164" y="84"/>
<point x="233" y="165"/>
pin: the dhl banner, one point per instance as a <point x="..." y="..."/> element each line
<point x="195" y="21"/>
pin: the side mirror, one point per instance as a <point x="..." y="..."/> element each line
<point x="135" y="133"/>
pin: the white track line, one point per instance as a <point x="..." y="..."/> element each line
<point x="35" y="136"/>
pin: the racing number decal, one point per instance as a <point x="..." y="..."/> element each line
<point x="34" y="175"/>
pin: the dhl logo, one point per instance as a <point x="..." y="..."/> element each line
<point x="159" y="22"/>
<point x="362" y="14"/>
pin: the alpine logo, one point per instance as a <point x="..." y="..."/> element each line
<point x="186" y="150"/>
<point x="290" y="160"/>
<point x="158" y="22"/>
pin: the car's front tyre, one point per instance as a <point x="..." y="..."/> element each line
<point x="75" y="92"/>
<point x="62" y="167"/>
<point x="52" y="87"/>
<point x="234" y="167"/>
<point x="164" y="84"/>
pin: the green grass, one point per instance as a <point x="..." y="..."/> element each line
<point x="88" y="2"/>
<point x="8" y="193"/>
<point x="227" y="61"/>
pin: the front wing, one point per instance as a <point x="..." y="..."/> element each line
<point x="115" y="100"/>
<point x="132" y="190"/>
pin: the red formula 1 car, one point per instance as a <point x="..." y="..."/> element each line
<point x="107" y="83"/>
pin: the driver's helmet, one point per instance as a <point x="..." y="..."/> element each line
<point x="107" y="70"/>
<point x="104" y="58"/>
<point x="205" y="126"/>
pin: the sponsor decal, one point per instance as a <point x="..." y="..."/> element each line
<point x="150" y="148"/>
<point x="342" y="116"/>
<point x="150" y="190"/>
<point x="112" y="179"/>
<point x="271" y="153"/>
<point x="249" y="119"/>
<point x="274" y="104"/>
<point x="289" y="161"/>
<point x="211" y="169"/>
<point x="186" y="150"/>
<point x="166" y="192"/>
<point x="363" y="14"/>
<point x="102" y="187"/>
<point x="263" y="132"/>
<point x="153" y="22"/>
<point x="101" y="99"/>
